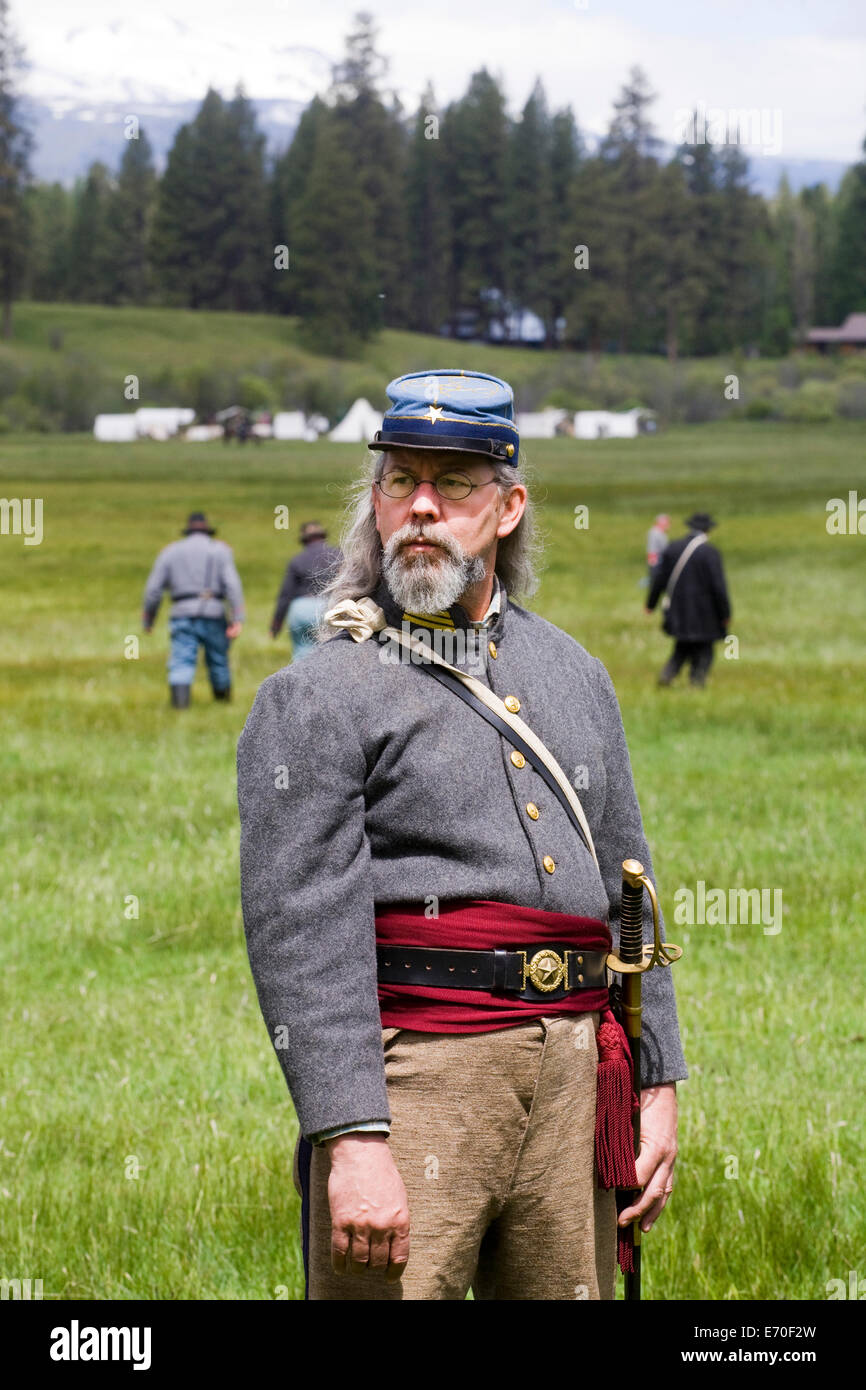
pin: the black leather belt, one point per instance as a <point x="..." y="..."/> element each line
<point x="534" y="972"/>
<point x="200" y="593"/>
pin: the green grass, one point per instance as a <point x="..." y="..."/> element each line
<point x="136" y="1044"/>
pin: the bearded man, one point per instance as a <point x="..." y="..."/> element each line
<point x="427" y="923"/>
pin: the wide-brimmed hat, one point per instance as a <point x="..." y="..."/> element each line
<point x="470" y="412"/>
<point x="197" y="521"/>
<point x="701" y="521"/>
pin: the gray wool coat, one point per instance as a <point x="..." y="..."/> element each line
<point x="363" y="782"/>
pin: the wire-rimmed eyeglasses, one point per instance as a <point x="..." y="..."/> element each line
<point x="453" y="486"/>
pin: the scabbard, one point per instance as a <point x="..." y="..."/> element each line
<point x="631" y="953"/>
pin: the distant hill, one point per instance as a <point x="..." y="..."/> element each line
<point x="69" y="135"/>
<point x="71" y="131"/>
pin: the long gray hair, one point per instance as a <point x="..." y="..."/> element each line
<point x="518" y="555"/>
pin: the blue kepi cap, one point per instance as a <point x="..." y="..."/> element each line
<point x="449" y="409"/>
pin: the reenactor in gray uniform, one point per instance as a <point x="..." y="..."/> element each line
<point x="199" y="574"/>
<point x="428" y="917"/>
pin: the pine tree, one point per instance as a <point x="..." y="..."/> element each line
<point x="428" y="222"/>
<point x="245" y="249"/>
<point x="849" y="262"/>
<point x="679" y="282"/>
<point x="15" y="147"/>
<point x="701" y="174"/>
<point x="90" y="270"/>
<point x="130" y="215"/>
<point x="290" y="174"/>
<point x="336" y="277"/>
<point x="50" y="208"/>
<point x="629" y="150"/>
<point x="779" y="315"/>
<point x="530" y="266"/>
<point x="596" y="307"/>
<point x="565" y="157"/>
<point x="818" y="205"/>
<point x="176" y="237"/>
<point x="374" y="136"/>
<point x="475" y="137"/>
<point x="211" y="244"/>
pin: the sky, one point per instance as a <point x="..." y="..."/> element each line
<point x="800" y="63"/>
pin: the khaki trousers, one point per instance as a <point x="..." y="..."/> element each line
<point x="493" y="1135"/>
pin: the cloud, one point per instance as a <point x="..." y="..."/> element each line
<point x="806" y="60"/>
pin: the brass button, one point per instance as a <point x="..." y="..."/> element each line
<point x="511" y="703"/>
<point x="532" y="810"/>
<point x="548" y="863"/>
<point x="517" y="758"/>
<point x="491" y="647"/>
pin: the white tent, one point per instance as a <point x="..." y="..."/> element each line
<point x="359" y="424"/>
<point x="115" y="429"/>
<point x="289" y="424"/>
<point x="609" y="424"/>
<point x="161" y="422"/>
<point x="540" y="424"/>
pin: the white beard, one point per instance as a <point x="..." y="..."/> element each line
<point x="427" y="583"/>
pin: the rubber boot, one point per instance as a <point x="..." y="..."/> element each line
<point x="223" y="694"/>
<point x="179" y="696"/>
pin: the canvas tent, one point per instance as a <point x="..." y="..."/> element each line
<point x="540" y="424"/>
<point x="115" y="429"/>
<point x="161" y="422"/>
<point x="290" y="424"/>
<point x="358" y="425"/>
<point x="609" y="424"/>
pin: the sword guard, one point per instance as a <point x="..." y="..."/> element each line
<point x="661" y="953"/>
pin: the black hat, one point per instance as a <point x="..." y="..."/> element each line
<point x="197" y="521"/>
<point x="701" y="521"/>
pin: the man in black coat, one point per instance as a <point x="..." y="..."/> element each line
<point x="697" y="607"/>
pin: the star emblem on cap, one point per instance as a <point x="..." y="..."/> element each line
<point x="436" y="413"/>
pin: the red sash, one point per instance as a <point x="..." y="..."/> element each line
<point x="479" y="925"/>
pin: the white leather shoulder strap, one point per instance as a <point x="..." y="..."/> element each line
<point x="682" y="561"/>
<point x="363" y="617"/>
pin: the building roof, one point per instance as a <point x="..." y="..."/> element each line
<point x="853" y="330"/>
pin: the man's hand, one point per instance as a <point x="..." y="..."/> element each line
<point x="146" y="625"/>
<point x="369" y="1207"/>
<point x="658" y="1154"/>
<point x="233" y="630"/>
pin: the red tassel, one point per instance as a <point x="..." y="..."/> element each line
<point x="614" y="1137"/>
<point x="625" y="1249"/>
<point x="615" y="1101"/>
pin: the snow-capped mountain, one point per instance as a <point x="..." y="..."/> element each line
<point x="78" y="95"/>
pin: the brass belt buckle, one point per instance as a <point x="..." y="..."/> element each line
<point x="546" y="971"/>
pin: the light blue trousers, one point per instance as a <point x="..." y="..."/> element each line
<point x="187" y="634"/>
<point x="303" y="614"/>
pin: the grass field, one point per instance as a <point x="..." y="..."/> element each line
<point x="146" y="1132"/>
